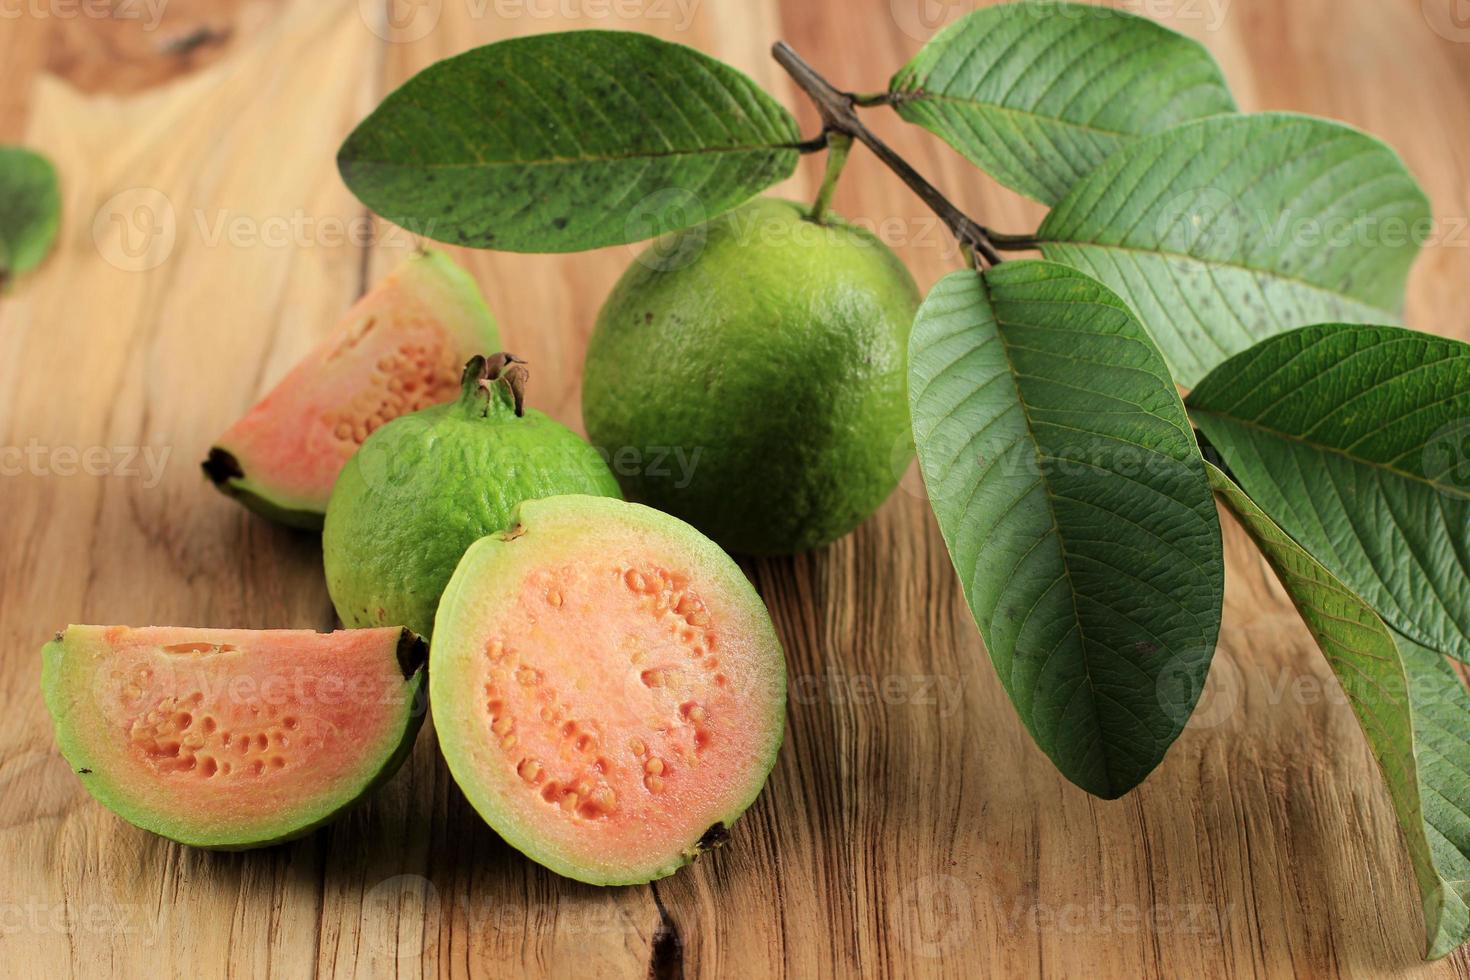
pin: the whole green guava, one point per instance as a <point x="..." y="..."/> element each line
<point x="427" y="485"/>
<point x="749" y="376"/>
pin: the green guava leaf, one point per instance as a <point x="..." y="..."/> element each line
<point x="1411" y="706"/>
<point x="1224" y="231"/>
<point x="30" y="208"/>
<point x="564" y="142"/>
<point x="1440" y="709"/>
<point x="1072" y="496"/>
<point x="1356" y="440"/>
<point x="1039" y="94"/>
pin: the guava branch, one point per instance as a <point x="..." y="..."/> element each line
<point x="836" y="110"/>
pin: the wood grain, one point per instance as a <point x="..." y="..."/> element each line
<point x="910" y="827"/>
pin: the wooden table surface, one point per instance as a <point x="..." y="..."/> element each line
<point x="910" y="826"/>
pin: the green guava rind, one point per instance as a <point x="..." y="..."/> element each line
<point x="225" y="473"/>
<point x="492" y="563"/>
<point x="773" y="347"/>
<point x="435" y="279"/>
<point x="426" y="486"/>
<point x="311" y="816"/>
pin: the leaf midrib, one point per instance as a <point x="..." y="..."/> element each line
<point x="1217" y="264"/>
<point x="920" y="95"/>
<point x="563" y="161"/>
<point x="1057" y="530"/>
<point x="1449" y="491"/>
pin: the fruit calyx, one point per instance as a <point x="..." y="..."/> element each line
<point x="501" y="380"/>
<point x="221" y="467"/>
<point x="716" y="837"/>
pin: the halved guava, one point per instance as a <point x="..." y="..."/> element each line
<point x="399" y="349"/>
<point x="608" y="689"/>
<point x="233" y="739"/>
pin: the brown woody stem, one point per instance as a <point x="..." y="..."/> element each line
<point x="836" y="110"/>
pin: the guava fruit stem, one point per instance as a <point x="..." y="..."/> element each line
<point x="838" y="144"/>
<point x="499" y="379"/>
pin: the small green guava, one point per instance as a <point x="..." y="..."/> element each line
<point x="769" y="354"/>
<point x="427" y="485"/>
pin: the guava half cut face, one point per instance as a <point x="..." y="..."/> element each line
<point x="608" y="688"/>
<point x="233" y="739"/>
<point x="401" y="348"/>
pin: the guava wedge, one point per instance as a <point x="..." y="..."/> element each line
<point x="399" y="349"/>
<point x="232" y="739"/>
<point x="608" y="688"/>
